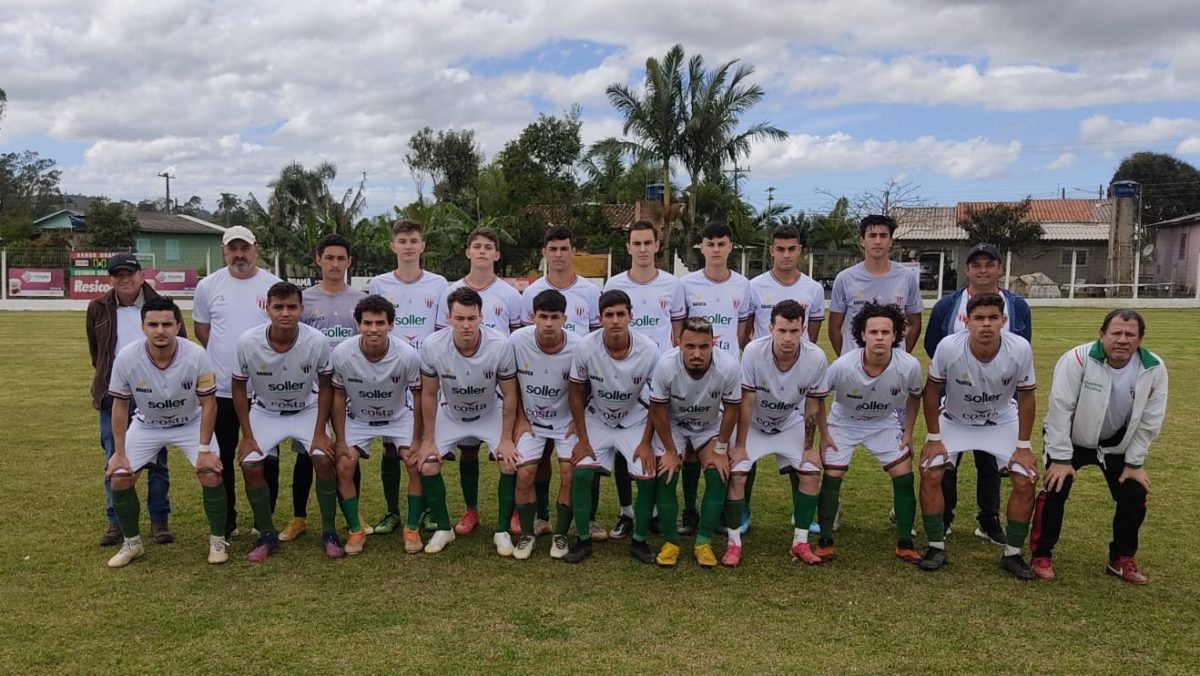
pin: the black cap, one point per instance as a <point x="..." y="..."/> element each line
<point x="984" y="248"/>
<point x="123" y="261"/>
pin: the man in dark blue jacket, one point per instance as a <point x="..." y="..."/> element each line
<point x="984" y="271"/>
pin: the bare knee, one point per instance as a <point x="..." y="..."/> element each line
<point x="323" y="467"/>
<point x="346" y="464"/>
<point x="208" y="478"/>
<point x="431" y="468"/>
<point x="253" y="474"/>
<point x="123" y="481"/>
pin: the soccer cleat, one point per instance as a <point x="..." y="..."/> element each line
<point x="1016" y="566"/>
<point x="732" y="557"/>
<point x="295" y="528"/>
<point x="368" y="529"/>
<point x="824" y="549"/>
<point x="623" y="528"/>
<point x="907" y="554"/>
<point x="333" y="548"/>
<point x="468" y="522"/>
<point x="1126" y="569"/>
<point x="559" y="546"/>
<point x="388" y="524"/>
<point x="514" y="525"/>
<point x="690" y="521"/>
<point x="989" y="529"/>
<point x="504" y="545"/>
<point x="264" y="547"/>
<point x="802" y="552"/>
<point x="596" y="532"/>
<point x="355" y="541"/>
<point x="412" y="541"/>
<point x="129" y="551"/>
<point x="705" y="556"/>
<point x="1043" y="567"/>
<point x="745" y="522"/>
<point x="439" y="540"/>
<point x="668" y="555"/>
<point x="580" y="551"/>
<point x="161" y="533"/>
<point x="933" y="559"/>
<point x="218" y="549"/>
<point x="112" y="536"/>
<point x="640" y="550"/>
<point x="542" y="527"/>
<point x="524" y="547"/>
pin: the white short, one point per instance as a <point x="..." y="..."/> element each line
<point x="685" y="439"/>
<point x="142" y="442"/>
<point x="882" y="441"/>
<point x="530" y="448"/>
<point x="271" y="429"/>
<point x="999" y="440"/>
<point x="450" y="432"/>
<point x="787" y="446"/>
<point x="359" y="434"/>
<point x="608" y="441"/>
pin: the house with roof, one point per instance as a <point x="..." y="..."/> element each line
<point x="1176" y="253"/>
<point x="168" y="241"/>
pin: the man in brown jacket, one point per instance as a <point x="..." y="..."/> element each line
<point x="114" y="321"/>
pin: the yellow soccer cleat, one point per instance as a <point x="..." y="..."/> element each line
<point x="295" y="528"/>
<point x="705" y="556"/>
<point x="668" y="556"/>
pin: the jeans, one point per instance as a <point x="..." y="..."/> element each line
<point x="158" y="502"/>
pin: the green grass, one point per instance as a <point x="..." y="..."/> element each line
<point x="467" y="610"/>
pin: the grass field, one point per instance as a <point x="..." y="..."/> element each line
<point x="467" y="610"/>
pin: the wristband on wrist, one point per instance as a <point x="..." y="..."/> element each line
<point x="205" y="448"/>
<point x="721" y="448"/>
<point x="1024" y="443"/>
<point x="933" y="437"/>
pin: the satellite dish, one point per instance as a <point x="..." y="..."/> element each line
<point x="1147" y="250"/>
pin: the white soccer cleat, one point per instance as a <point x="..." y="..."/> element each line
<point x="129" y="551"/>
<point x="559" y="546"/>
<point x="438" y="541"/>
<point x="504" y="544"/>
<point x="524" y="547"/>
<point x="218" y="549"/>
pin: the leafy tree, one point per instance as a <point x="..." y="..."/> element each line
<point x="111" y="225"/>
<point x="1170" y="187"/>
<point x="230" y="210"/>
<point x="449" y="160"/>
<point x="29" y="189"/>
<point x="889" y="197"/>
<point x="834" y="231"/>
<point x="539" y="165"/>
<point x="1005" y="225"/>
<point x="193" y="207"/>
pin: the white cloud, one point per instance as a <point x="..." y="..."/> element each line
<point x="1061" y="162"/>
<point x="1110" y="135"/>
<point x="1189" y="146"/>
<point x="805" y="153"/>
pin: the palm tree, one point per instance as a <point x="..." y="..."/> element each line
<point x="228" y="204"/>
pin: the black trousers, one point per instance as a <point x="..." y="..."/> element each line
<point x="987" y="487"/>
<point x="227" y="432"/>
<point x="1127" y="520"/>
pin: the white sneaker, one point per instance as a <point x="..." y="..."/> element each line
<point x="596" y="532"/>
<point x="130" y="550"/>
<point x="218" y="549"/>
<point x="504" y="545"/>
<point x="559" y="546"/>
<point x="438" y="541"/>
<point x="367" y="530"/>
<point x="524" y="547"/>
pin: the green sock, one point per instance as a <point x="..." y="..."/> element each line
<point x="691" y="483"/>
<point x="541" y="491"/>
<point x="350" y="511"/>
<point x="643" y="508"/>
<point x="260" y="503"/>
<point x="468" y="478"/>
<point x="710" y="507"/>
<point x="668" y="507"/>
<point x="416" y="507"/>
<point x="527" y="513"/>
<point x="389" y="474"/>
<point x="733" y="513"/>
<point x="215" y="509"/>
<point x="434" y="490"/>
<point x="563" y="524"/>
<point x="827" y="505"/>
<point x="594" y="491"/>
<point x="904" y="500"/>
<point x="125" y="504"/>
<point x="1015" y="533"/>
<point x="935" y="528"/>
<point x="581" y="500"/>
<point x="804" y="507"/>
<point x="749" y="492"/>
<point x="507" y="493"/>
<point x="327" y="501"/>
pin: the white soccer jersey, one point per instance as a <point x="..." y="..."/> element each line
<point x="854" y="287"/>
<point x="376" y="391"/>
<point x="468" y="384"/>
<point x="768" y="291"/>
<point x="543" y="380"/>
<point x="723" y="303"/>
<point x="780" y="394"/>
<point x="616" y="383"/>
<point x="284" y="382"/>
<point x="978" y="393"/>
<point x="332" y="314"/>
<point x="656" y="304"/>
<point x="860" y="398"/>
<point x="419" y="304"/>
<point x="583" y="303"/>
<point x="501" y="306"/>
<point x="163" y="397"/>
<point x="695" y="403"/>
<point x="230" y="306"/>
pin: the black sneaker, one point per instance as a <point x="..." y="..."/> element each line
<point x="623" y="528"/>
<point x="580" y="551"/>
<point x="1016" y="566"/>
<point x="989" y="529"/>
<point x="934" y="558"/>
<point x="641" y="551"/>
<point x="690" y="521"/>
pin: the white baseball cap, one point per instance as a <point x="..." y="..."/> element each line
<point x="238" y="232"/>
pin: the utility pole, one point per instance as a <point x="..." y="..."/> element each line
<point x="770" y="204"/>
<point x="167" y="176"/>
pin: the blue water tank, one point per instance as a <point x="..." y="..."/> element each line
<point x="654" y="192"/>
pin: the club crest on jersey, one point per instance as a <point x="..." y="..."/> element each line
<point x="664" y="303"/>
<point x="397" y="378"/>
<point x="307" y="368"/>
<point x="566" y="374"/>
<point x="261" y="301"/>
<point x="429" y="303"/>
<point x="187" y="384"/>
<point x="737" y="302"/>
<point x="637" y="380"/>
<point x="497" y="310"/>
<point x="580" y="311"/>
<point x="713" y="394"/>
<point x="489" y="374"/>
<point x="1007" y="380"/>
<point x="895" y="391"/>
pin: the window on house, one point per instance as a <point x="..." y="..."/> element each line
<point x="142" y="245"/>
<point x="1065" y="257"/>
<point x="172" y="249"/>
<point x="1183" y="245"/>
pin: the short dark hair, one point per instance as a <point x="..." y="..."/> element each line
<point x="871" y="310"/>
<point x="550" y="300"/>
<point x="786" y="231"/>
<point x="985" y="300"/>
<point x="788" y="309"/>
<point x="876" y="219"/>
<point x="375" y="303"/>
<point x="403" y="225"/>
<point x="615" y="297"/>
<point x="284" y="290"/>
<point x="333" y="239"/>
<point x="464" y="295"/>
<point x="557" y="232"/>
<point x="1125" y="314"/>
<point x="162" y="304"/>
<point x="486" y="233"/>
<point x="716" y="230"/>
<point x="697" y="324"/>
<point x="642" y="225"/>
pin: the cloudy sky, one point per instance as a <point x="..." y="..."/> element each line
<point x="971" y="99"/>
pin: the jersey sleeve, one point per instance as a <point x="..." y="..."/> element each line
<point x="816" y="304"/>
<point x="373" y="287"/>
<point x="660" y="382"/>
<point x="412" y="373"/>
<point x="679" y="308"/>
<point x="337" y="380"/>
<point x="241" y="367"/>
<point x="937" y="365"/>
<point x="913" y="304"/>
<point x="829" y="382"/>
<point x="324" y="362"/>
<point x="428" y="362"/>
<point x="749" y="304"/>
<point x="516" y="313"/>
<point x="200" y="303"/>
<point x="118" y="382"/>
<point x="443" y="316"/>
<point x="749" y="372"/>
<point x="594" y="309"/>
<point x="206" y="375"/>
<point x="913" y="382"/>
<point x="579" y="369"/>
<point x="731" y="388"/>
<point x="507" y="368"/>
<point x="837" y="299"/>
<point x="820" y="369"/>
<point x="526" y="307"/>
<point x="1026" y="379"/>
